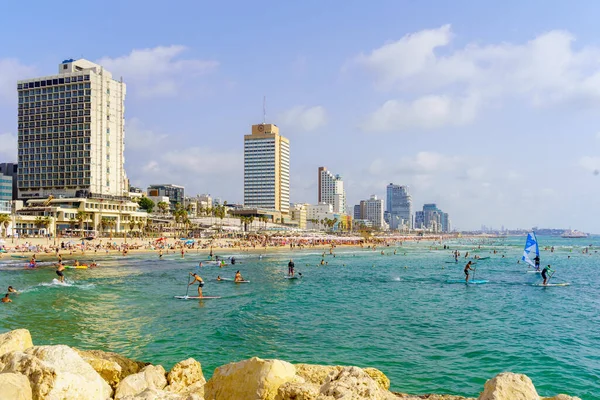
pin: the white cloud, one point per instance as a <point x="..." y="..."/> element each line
<point x="544" y="71"/>
<point x="591" y="164"/>
<point x="11" y="70"/>
<point x="426" y="112"/>
<point x="304" y="118"/>
<point x="8" y="147"/>
<point x="137" y="137"/>
<point x="157" y="71"/>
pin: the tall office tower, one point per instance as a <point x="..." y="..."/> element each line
<point x="372" y="210"/>
<point x="71" y="133"/>
<point x="399" y="206"/>
<point x="10" y="169"/>
<point x="267" y="169"/>
<point x="331" y="190"/>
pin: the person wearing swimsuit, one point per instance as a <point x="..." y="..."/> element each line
<point x="200" y="283"/>
<point x="467" y="268"/>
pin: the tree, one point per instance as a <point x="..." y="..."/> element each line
<point x="147" y="204"/>
<point x="72" y="223"/>
<point x="163" y="206"/>
<point x="81" y="216"/>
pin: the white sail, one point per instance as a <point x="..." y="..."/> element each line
<point x="531" y="249"/>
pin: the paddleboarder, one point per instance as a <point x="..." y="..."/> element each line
<point x="291" y="267"/>
<point x="200" y="283"/>
<point x="545" y="274"/>
<point x="238" y="277"/>
<point x="59" y="271"/>
<point x="467" y="268"/>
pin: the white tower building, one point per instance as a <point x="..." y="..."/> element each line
<point x="71" y="133"/>
<point x="331" y="190"/>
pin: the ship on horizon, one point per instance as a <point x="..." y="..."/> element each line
<point x="574" y="234"/>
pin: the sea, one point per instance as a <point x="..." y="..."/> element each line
<point x="394" y="312"/>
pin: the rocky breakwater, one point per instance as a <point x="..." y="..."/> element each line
<point x="29" y="372"/>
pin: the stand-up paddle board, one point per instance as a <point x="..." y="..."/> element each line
<point x="551" y="284"/>
<point x="470" y="282"/>
<point x="534" y="272"/>
<point x="451" y="262"/>
<point x="196" y="297"/>
<point x="291" y="277"/>
<point x="76" y="266"/>
<point x="231" y="280"/>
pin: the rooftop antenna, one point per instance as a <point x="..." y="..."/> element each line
<point x="264" y="109"/>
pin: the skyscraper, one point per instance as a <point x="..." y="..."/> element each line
<point x="331" y="190"/>
<point x="71" y="133"/>
<point x="399" y="206"/>
<point x="372" y="210"/>
<point x="267" y="169"/>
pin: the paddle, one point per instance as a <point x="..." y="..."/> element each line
<point x="474" y="269"/>
<point x="188" y="286"/>
<point x="551" y="275"/>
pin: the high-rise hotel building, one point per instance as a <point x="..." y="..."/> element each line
<point x="267" y="169"/>
<point x="71" y="132"/>
<point x="331" y="190"/>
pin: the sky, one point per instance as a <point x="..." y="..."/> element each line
<point x="489" y="109"/>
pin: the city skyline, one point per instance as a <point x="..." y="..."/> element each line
<point x="477" y="120"/>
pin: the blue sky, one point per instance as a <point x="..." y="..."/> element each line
<point x="487" y="108"/>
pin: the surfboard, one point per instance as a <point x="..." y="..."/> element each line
<point x="551" y="284"/>
<point x="231" y="280"/>
<point x="534" y="272"/>
<point x="13" y="256"/>
<point x="471" y="281"/>
<point x="291" y="277"/>
<point x="76" y="266"/>
<point x="196" y="297"/>
<point x="482" y="258"/>
<point x="57" y="282"/>
<point x="451" y="262"/>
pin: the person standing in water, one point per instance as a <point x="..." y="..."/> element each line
<point x="59" y="271"/>
<point x="537" y="262"/>
<point x="291" y="267"/>
<point x="467" y="269"/>
<point x="200" y="283"/>
<point x="545" y="274"/>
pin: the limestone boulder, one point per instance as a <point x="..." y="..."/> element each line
<point x="315" y="374"/>
<point x="509" y="386"/>
<point x="154" y="394"/>
<point x="112" y="367"/>
<point x="353" y="383"/>
<point x="57" y="372"/>
<point x="561" y="397"/>
<point x="15" y="387"/>
<point x="255" y="379"/>
<point x="379" y="377"/>
<point x="17" y="340"/>
<point x="298" y="391"/>
<point x="185" y="374"/>
<point x="150" y="377"/>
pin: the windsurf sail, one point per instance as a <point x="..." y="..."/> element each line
<point x="531" y="249"/>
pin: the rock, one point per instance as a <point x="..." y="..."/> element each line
<point x="509" y="386"/>
<point x="431" y="397"/>
<point x="249" y="379"/>
<point x="297" y="391"/>
<point x="316" y="374"/>
<point x="379" y="377"/>
<point x="185" y="374"/>
<point x="15" y="387"/>
<point x="112" y="367"/>
<point x="17" y="340"/>
<point x="561" y="397"/>
<point x="352" y="383"/>
<point x="57" y="372"/>
<point x="154" y="394"/>
<point x="151" y="377"/>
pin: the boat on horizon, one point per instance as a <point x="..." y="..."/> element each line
<point x="574" y="234"/>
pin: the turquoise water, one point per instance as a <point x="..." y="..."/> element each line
<point x="392" y="312"/>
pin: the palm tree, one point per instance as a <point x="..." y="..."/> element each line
<point x="81" y="216"/>
<point x="4" y="222"/>
<point x="251" y="220"/>
<point x="72" y="223"/>
<point x="163" y="206"/>
<point x="105" y="223"/>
